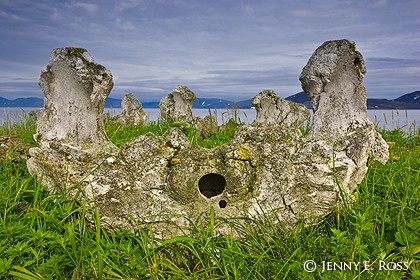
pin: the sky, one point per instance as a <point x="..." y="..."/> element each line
<point x="218" y="48"/>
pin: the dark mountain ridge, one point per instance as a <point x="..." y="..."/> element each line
<point x="406" y="101"/>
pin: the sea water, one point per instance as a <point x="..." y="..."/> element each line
<point x="407" y="120"/>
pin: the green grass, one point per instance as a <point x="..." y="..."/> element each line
<point x="120" y="134"/>
<point x="45" y="236"/>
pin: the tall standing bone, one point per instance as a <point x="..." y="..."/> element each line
<point x="177" y="105"/>
<point x="273" y="110"/>
<point x="75" y="89"/>
<point x="269" y="169"/>
<point x="70" y="128"/>
<point x="132" y="111"/>
<point x="333" y="81"/>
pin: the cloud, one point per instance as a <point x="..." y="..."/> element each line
<point x="125" y="24"/>
<point x="11" y="16"/>
<point x="380" y="3"/>
<point x="215" y="47"/>
<point x="302" y="13"/>
<point x="247" y="9"/>
<point x="392" y="61"/>
<point x="128" y="4"/>
<point x="87" y="6"/>
<point x="12" y="89"/>
<point x="56" y="15"/>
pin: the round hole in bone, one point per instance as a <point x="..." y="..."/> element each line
<point x="222" y="203"/>
<point x="211" y="184"/>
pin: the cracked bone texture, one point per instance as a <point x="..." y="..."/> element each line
<point x="275" y="110"/>
<point x="75" y="89"/>
<point x="132" y="111"/>
<point x="333" y="80"/>
<point x="268" y="169"/>
<point x="177" y="105"/>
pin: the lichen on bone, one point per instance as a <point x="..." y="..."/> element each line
<point x="268" y="169"/>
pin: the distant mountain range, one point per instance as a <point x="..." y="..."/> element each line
<point x="406" y="101"/>
<point x="22" y="102"/>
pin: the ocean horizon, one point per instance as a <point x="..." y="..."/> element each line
<point x="407" y="119"/>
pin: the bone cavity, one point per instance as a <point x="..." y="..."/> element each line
<point x="269" y="169"/>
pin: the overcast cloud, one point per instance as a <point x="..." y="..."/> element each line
<point x="218" y="48"/>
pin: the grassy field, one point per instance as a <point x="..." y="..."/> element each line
<point x="45" y="236"/>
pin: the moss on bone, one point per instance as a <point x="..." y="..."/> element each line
<point x="153" y="180"/>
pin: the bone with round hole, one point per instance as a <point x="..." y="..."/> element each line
<point x="269" y="168"/>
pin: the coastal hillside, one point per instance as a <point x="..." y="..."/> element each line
<point x="406" y="101"/>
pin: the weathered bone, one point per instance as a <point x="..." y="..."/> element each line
<point x="275" y="110"/>
<point x="164" y="182"/>
<point x="333" y="80"/>
<point x="75" y="89"/>
<point x="132" y="111"/>
<point x="177" y="105"/>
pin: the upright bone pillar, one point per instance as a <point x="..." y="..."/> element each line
<point x="132" y="111"/>
<point x="75" y="89"/>
<point x="177" y="105"/>
<point x="333" y="80"/>
<point x="273" y="110"/>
